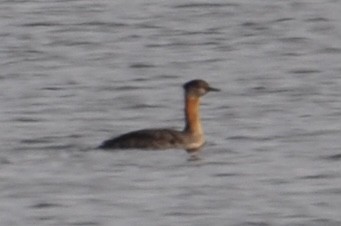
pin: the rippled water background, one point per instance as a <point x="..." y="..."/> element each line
<point x="76" y="72"/>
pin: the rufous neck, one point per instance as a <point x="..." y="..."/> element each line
<point x="192" y="115"/>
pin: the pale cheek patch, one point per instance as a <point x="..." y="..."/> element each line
<point x="202" y="91"/>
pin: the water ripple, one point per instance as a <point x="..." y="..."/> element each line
<point x="206" y="5"/>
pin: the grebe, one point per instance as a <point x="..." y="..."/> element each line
<point x="191" y="138"/>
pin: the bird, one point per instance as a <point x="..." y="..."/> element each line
<point x="191" y="138"/>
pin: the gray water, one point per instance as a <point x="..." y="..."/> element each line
<point x="74" y="73"/>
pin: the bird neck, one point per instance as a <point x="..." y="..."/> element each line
<point x="192" y="115"/>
